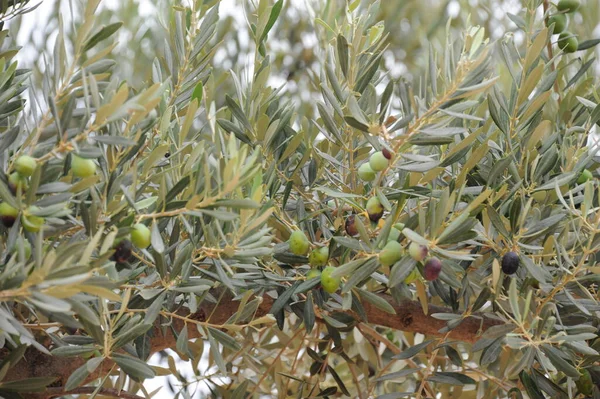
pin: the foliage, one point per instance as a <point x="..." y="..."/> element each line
<point x="480" y="152"/>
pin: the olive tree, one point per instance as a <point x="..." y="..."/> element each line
<point x="361" y="199"/>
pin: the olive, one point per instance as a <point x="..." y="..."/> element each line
<point x="350" y="226"/>
<point x="122" y="251"/>
<point x="432" y="269"/>
<point x="391" y="253"/>
<point x="559" y="21"/>
<point x="365" y="172"/>
<point x="330" y="284"/>
<point x="319" y="256"/>
<point x="584" y="176"/>
<point x="567" y="42"/>
<point x="417" y="251"/>
<point x="140" y="236"/>
<point x="8" y="214"/>
<point x="16" y="180"/>
<point x="568" y="5"/>
<point x="374" y="209"/>
<point x="386" y="153"/>
<point x="82" y="167"/>
<point x="25" y="165"/>
<point x="298" y="242"/>
<point x="378" y="161"/>
<point x="510" y="263"/>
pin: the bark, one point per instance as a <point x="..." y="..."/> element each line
<point x="409" y="317"/>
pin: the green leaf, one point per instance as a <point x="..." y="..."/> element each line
<point x="104" y="33"/>
<point x="377" y="301"/>
<point x="412" y="351"/>
<point x="134" y="367"/>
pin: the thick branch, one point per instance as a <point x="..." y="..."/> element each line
<point x="409" y="317"/>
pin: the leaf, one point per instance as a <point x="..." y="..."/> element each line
<point x="134" y="367"/>
<point x="412" y="351"/>
<point x="339" y="381"/>
<point x="450" y="378"/>
<point x="275" y="10"/>
<point x="104" y="33"/>
<point x="586" y="44"/>
<point x="377" y="301"/>
<point x="557" y="360"/>
<point x="34" y="384"/>
<point x="309" y="313"/>
<point x="81" y="373"/>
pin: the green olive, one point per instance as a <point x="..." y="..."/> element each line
<point x="378" y="161"/>
<point x="82" y="167"/>
<point x="559" y="21"/>
<point x="365" y="172"/>
<point x="585" y="176"/>
<point x="330" y="284"/>
<point x="585" y="383"/>
<point x="391" y="253"/>
<point x="26" y="247"/>
<point x="319" y="256"/>
<point x="25" y="165"/>
<point x="567" y="42"/>
<point x="140" y="235"/>
<point x="568" y="5"/>
<point x="298" y="242"/>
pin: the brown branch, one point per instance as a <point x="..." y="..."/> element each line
<point x="409" y="317"/>
<point x="57" y="392"/>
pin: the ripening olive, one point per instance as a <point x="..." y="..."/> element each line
<point x="432" y="269"/>
<point x="8" y="214"/>
<point x="319" y="256"/>
<point x="568" y="5"/>
<point x="584" y="176"/>
<point x="82" y="167"/>
<point x="365" y="172"/>
<point x="122" y="251"/>
<point x="559" y="21"/>
<point x="313" y="273"/>
<point x="25" y="165"/>
<point x="417" y="251"/>
<point x="15" y="180"/>
<point x="510" y="263"/>
<point x="391" y="253"/>
<point x="330" y="284"/>
<point x="298" y="242"/>
<point x="140" y="235"/>
<point x="567" y="42"/>
<point x="378" y="161"/>
<point x="350" y="226"/>
<point x="374" y="209"/>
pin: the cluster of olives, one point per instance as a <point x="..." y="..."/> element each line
<point x="567" y="41"/>
<point x="318" y="257"/>
<point x="377" y="162"/>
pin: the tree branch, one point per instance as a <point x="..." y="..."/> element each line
<point x="409" y="317"/>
